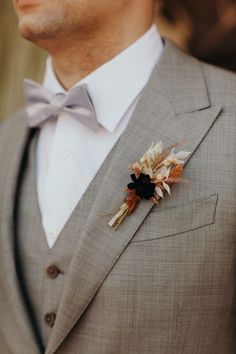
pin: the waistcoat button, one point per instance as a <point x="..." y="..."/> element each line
<point x="50" y="318"/>
<point x="53" y="271"/>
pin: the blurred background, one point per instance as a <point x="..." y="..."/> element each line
<point x="204" y="28"/>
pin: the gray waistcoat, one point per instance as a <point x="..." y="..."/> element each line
<point x="43" y="271"/>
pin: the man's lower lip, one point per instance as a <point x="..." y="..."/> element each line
<point x="26" y="3"/>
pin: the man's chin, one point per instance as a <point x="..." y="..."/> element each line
<point x="26" y="27"/>
<point x="31" y="28"/>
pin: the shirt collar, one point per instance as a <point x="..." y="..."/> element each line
<point x="115" y="85"/>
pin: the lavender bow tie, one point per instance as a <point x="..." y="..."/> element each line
<point x="42" y="104"/>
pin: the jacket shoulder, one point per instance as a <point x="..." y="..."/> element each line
<point x="221" y="85"/>
<point x="11" y="123"/>
<point x="11" y="129"/>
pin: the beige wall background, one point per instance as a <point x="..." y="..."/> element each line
<point x="205" y="28"/>
<point x="18" y="59"/>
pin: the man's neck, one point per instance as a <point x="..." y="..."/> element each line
<point x="86" y="53"/>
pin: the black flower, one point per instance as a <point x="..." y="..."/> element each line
<point x="143" y="186"/>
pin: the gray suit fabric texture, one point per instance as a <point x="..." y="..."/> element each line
<point x="164" y="281"/>
<point x="43" y="294"/>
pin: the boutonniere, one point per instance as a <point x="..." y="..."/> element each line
<point x="151" y="177"/>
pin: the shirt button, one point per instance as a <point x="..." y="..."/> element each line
<point x="53" y="233"/>
<point x="53" y="271"/>
<point x="50" y="318"/>
<point x="65" y="154"/>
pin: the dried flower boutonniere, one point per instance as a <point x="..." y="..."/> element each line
<point x="151" y="177"/>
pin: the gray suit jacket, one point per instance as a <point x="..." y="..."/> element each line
<point x="164" y="282"/>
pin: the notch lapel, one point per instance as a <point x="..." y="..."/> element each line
<point x="14" y="151"/>
<point x="174" y="105"/>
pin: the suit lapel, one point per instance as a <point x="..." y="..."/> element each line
<point x="14" y="151"/>
<point x="174" y="105"/>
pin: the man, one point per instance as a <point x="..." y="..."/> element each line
<point x="164" y="281"/>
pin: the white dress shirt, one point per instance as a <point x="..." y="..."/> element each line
<point x="68" y="153"/>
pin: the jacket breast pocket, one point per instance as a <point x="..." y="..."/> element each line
<point x="178" y="219"/>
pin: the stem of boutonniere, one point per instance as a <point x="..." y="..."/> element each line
<point x="119" y="217"/>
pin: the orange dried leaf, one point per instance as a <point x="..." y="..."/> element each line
<point x="131" y="200"/>
<point x="176" y="172"/>
<point x="177" y="180"/>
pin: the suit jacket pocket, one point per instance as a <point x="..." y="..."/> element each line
<point x="178" y="219"/>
